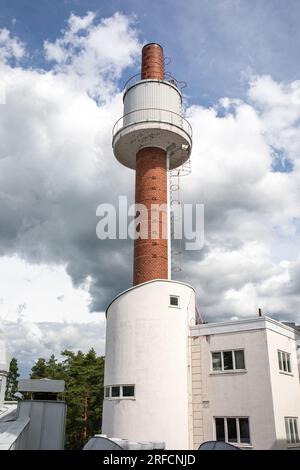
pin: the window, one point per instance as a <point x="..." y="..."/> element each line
<point x="217" y="361"/>
<point x="128" y="391"/>
<point x="292" y="430"/>
<point x="234" y="430"/>
<point x="228" y="360"/>
<point x="119" y="391"/>
<point x="174" y="301"/>
<point x="244" y="430"/>
<point x="284" y="361"/>
<point x="220" y="429"/>
<point x="239" y="359"/>
<point x="115" y="391"/>
<point x="231" y="430"/>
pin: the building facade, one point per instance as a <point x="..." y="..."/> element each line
<point x="245" y="384"/>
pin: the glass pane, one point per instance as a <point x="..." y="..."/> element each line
<point x="296" y="430"/>
<point x="106" y="392"/>
<point x="128" y="390"/>
<point x="231" y="430"/>
<point x="292" y="431"/>
<point x="284" y="362"/>
<point x="227" y="358"/>
<point x="216" y="361"/>
<point x="239" y="359"/>
<point x="220" y="429"/>
<point x="280" y="360"/>
<point x="244" y="431"/>
<point x="288" y="360"/>
<point x="287" y="430"/>
<point x="174" y="301"/>
<point x="115" y="391"/>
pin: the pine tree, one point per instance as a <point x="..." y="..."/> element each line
<point x="12" y="380"/>
<point x="39" y="370"/>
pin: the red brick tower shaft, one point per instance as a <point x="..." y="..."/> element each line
<point x="151" y="254"/>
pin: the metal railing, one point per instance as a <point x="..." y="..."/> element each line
<point x="168" y="78"/>
<point x="152" y="115"/>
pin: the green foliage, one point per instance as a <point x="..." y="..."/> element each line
<point x="12" y="380"/>
<point x="39" y="370"/>
<point x="83" y="374"/>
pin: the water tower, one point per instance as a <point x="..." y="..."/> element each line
<point x="147" y="366"/>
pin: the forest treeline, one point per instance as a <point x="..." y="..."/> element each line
<point x="83" y="374"/>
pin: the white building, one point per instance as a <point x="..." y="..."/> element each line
<point x="245" y="384"/>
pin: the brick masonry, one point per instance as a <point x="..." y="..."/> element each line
<point x="152" y="62"/>
<point x="151" y="254"/>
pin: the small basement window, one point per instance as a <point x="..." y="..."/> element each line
<point x="119" y="391"/>
<point x="128" y="391"/>
<point x="115" y="391"/>
<point x="174" y="301"/>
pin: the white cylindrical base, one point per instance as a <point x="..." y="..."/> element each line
<point x="147" y="346"/>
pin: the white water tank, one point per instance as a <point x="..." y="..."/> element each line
<point x="153" y="117"/>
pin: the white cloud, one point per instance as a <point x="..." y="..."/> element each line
<point x="279" y="107"/>
<point x="56" y="166"/>
<point x="28" y="341"/>
<point x="252" y="212"/>
<point x="41" y="292"/>
<point x="93" y="59"/>
<point x="10" y="47"/>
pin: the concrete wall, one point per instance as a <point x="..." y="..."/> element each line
<point x="147" y="345"/>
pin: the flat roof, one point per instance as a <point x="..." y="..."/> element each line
<point x="246" y="324"/>
<point x="41" y="385"/>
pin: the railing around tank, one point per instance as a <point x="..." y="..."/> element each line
<point x="164" y="116"/>
<point x="168" y="78"/>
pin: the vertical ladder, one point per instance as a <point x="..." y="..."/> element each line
<point x="176" y="215"/>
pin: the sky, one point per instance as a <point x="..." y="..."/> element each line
<point x="63" y="65"/>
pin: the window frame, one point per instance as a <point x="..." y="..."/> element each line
<point x="175" y="297"/>
<point x="238" y="442"/>
<point x="120" y="396"/>
<point x="284" y="360"/>
<point x="222" y="370"/>
<point x="128" y="396"/>
<point x="290" y="422"/>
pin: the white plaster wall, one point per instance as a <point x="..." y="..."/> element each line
<point x="146" y="345"/>
<point x="286" y="388"/>
<point x="242" y="393"/>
